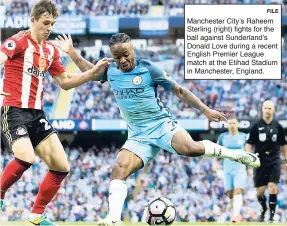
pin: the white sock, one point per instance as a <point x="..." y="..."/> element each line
<point x="217" y="151"/>
<point x="118" y="192"/>
<point x="34" y="216"/>
<point x="237" y="204"/>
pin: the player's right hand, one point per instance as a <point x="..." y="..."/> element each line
<point x="4" y="94"/>
<point x="215" y="116"/>
<point x="64" y="42"/>
<point x="102" y="65"/>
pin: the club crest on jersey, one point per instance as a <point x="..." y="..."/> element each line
<point x="274" y="137"/>
<point x="42" y="63"/>
<point x="137" y="80"/>
<point x="21" y="131"/>
<point x="10" y="45"/>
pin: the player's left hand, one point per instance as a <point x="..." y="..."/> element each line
<point x="64" y="42"/>
<point x="285" y="164"/>
<point x="215" y="116"/>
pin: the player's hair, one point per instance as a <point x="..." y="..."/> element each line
<point x="119" y="38"/>
<point x="44" y="6"/>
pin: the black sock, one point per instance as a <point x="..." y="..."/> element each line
<point x="272" y="204"/>
<point x="262" y="201"/>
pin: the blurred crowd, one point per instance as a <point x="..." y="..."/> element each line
<point x="83" y="7"/>
<point x="125" y="8"/>
<point x="194" y="185"/>
<point x="240" y="98"/>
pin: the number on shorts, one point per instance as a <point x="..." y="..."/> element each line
<point x="47" y="126"/>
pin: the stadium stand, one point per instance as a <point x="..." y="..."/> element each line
<point x="194" y="185"/>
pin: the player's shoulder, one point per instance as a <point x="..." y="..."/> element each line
<point x="20" y="36"/>
<point x="113" y="65"/>
<point x="144" y="62"/>
<point x="242" y="134"/>
<point x="223" y="134"/>
<point x="17" y="39"/>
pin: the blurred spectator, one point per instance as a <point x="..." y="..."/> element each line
<point x="194" y="185"/>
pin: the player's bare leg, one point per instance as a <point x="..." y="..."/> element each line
<point x="262" y="200"/>
<point x="126" y="164"/>
<point x="230" y="196"/>
<point x="185" y="145"/>
<point x="52" y="153"/>
<point x="273" y="191"/>
<point x="237" y="204"/>
<point x="24" y="158"/>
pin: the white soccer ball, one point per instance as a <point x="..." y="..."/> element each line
<point x="160" y="211"/>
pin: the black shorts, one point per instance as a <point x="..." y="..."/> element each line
<point x="267" y="173"/>
<point x="25" y="122"/>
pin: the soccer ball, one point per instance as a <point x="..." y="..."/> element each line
<point x="159" y="211"/>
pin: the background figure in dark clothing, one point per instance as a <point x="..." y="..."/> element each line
<point x="267" y="136"/>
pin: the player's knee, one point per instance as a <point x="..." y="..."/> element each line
<point x="65" y="168"/>
<point x="238" y="191"/>
<point x="23" y="150"/>
<point x="28" y="157"/>
<point x="121" y="169"/>
<point x="193" y="149"/>
<point x="272" y="188"/>
<point x="230" y="194"/>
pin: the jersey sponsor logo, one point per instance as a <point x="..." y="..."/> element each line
<point x="42" y="63"/>
<point x="35" y="71"/>
<point x="262" y="136"/>
<point x="10" y="45"/>
<point x="21" y="131"/>
<point x="128" y="93"/>
<point x="137" y="80"/>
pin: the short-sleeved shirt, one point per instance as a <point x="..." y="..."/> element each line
<point x="25" y="69"/>
<point x="267" y="139"/>
<point x="234" y="143"/>
<point x="136" y="91"/>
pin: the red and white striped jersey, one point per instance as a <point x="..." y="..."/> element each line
<point x="25" y="68"/>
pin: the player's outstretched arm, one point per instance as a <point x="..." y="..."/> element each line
<point x="68" y="81"/>
<point x="188" y="97"/>
<point x="65" y="43"/>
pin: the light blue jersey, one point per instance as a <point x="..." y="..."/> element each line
<point x="135" y="91"/>
<point x="235" y="174"/>
<point x="232" y="142"/>
<point x="150" y="125"/>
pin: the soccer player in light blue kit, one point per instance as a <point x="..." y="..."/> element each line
<point x="151" y="127"/>
<point x="235" y="174"/>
